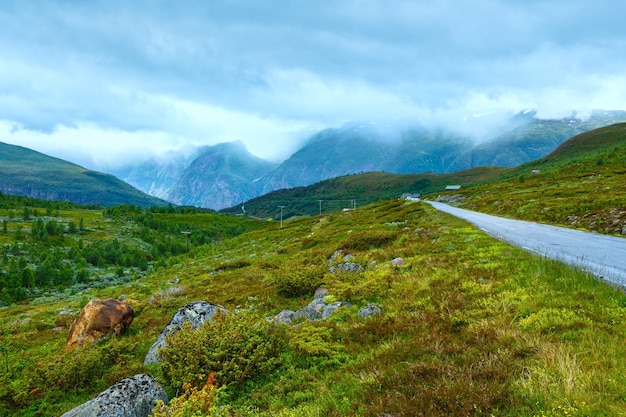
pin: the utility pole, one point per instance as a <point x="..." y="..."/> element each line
<point x="281" y="216"/>
<point x="320" y="201"/>
<point x="187" y="236"/>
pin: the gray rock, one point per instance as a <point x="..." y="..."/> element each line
<point x="398" y="262"/>
<point x="350" y="267"/>
<point x="130" y="397"/>
<point x="196" y="313"/>
<point x="284" y="317"/>
<point x="320" y="293"/>
<point x="369" y="310"/>
<point x="330" y="309"/>
<point x="336" y="255"/>
<point x="309" y="313"/>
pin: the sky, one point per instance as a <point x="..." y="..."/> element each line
<point x="103" y="82"/>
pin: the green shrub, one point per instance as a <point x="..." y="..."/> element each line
<point x="235" y="348"/>
<point x="369" y="239"/>
<point x="297" y="281"/>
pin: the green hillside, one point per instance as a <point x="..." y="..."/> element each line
<point x="359" y="189"/>
<point x="33" y="174"/>
<point x="469" y="325"/>
<point x="581" y="184"/>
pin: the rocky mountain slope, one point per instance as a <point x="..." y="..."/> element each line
<point x="220" y="176"/>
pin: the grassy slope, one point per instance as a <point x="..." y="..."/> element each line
<point x="365" y="188"/>
<point x="470" y="325"/>
<point x="26" y="172"/>
<point x="581" y="184"/>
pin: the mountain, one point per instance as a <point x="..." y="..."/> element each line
<point x="531" y="140"/>
<point x="33" y="174"/>
<point x="356" y="148"/>
<point x="158" y="175"/>
<point x="221" y="176"/>
<point x="592" y="160"/>
<point x="330" y="153"/>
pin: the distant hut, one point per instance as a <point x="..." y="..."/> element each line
<point x="452" y="188"/>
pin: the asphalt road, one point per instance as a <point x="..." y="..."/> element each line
<point x="602" y="255"/>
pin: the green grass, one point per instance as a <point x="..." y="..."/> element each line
<point x="470" y="326"/>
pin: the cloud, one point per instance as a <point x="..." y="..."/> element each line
<point x="121" y="75"/>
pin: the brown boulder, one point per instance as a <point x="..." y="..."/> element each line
<point x="99" y="319"/>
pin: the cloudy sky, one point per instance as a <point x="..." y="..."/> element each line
<point x="100" y="81"/>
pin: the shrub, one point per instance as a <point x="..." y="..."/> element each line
<point x="294" y="282"/>
<point x="369" y="239"/>
<point x="193" y="402"/>
<point x="235" y="348"/>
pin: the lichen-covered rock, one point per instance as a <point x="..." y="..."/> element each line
<point x="130" y="397"/>
<point x="99" y="319"/>
<point x="369" y="310"/>
<point x="196" y="313"/>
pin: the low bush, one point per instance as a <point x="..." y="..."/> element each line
<point x="369" y="239"/>
<point x="299" y="280"/>
<point x="234" y="348"/>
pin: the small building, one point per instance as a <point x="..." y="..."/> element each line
<point x="411" y="197"/>
<point x="535" y="172"/>
<point x="452" y="188"/>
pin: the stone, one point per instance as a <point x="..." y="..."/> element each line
<point x="130" y="397"/>
<point x="350" y="267"/>
<point x="329" y="309"/>
<point x="196" y="313"/>
<point x="368" y="311"/>
<point x="284" y="317"/>
<point x="398" y="262"/>
<point x="309" y="313"/>
<point x="99" y="319"/>
<point x="320" y="293"/>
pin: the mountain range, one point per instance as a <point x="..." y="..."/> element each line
<point x="226" y="174"/>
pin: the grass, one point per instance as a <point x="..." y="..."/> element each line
<point x="470" y="326"/>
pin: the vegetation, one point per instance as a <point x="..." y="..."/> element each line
<point x="580" y="185"/>
<point x="469" y="325"/>
<point x="33" y="174"/>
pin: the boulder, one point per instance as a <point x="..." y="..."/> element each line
<point x="369" y="310"/>
<point x="196" y="313"/>
<point x="99" y="319"/>
<point x="130" y="397"/>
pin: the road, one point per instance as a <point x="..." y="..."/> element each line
<point x="601" y="255"/>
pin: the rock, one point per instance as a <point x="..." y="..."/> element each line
<point x="369" y="310"/>
<point x="309" y="313"/>
<point x="329" y="309"/>
<point x="99" y="319"/>
<point x="320" y="293"/>
<point x="196" y="313"/>
<point x="398" y="262"/>
<point x="284" y="317"/>
<point x="350" y="267"/>
<point x="130" y="397"/>
<point x="336" y="255"/>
